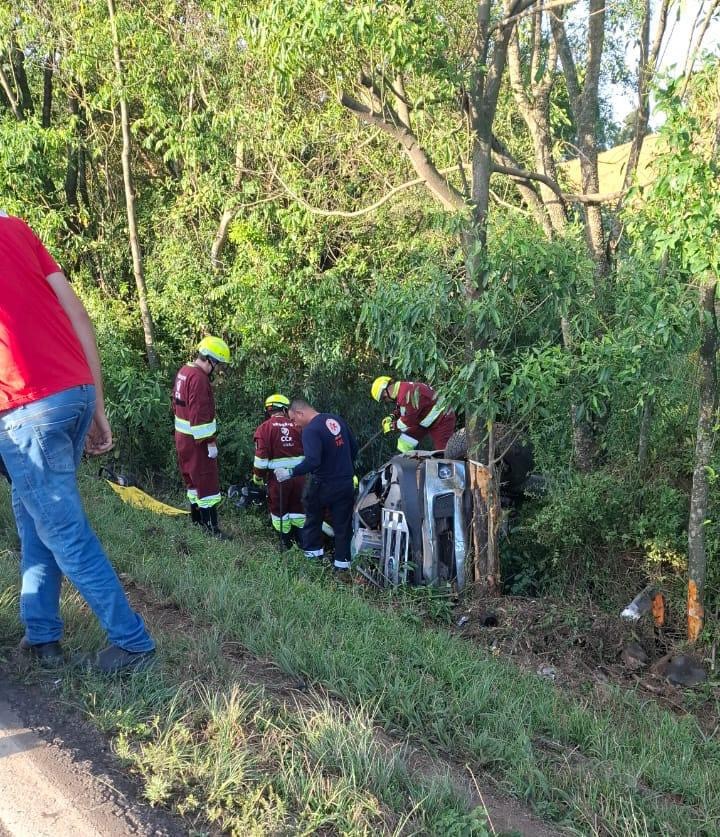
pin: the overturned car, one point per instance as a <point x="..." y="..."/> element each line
<point x="411" y="520"/>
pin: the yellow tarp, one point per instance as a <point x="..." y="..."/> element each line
<point x="613" y="163"/>
<point x="135" y="497"/>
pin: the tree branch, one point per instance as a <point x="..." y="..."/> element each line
<point x="5" y="84"/>
<point x="646" y="70"/>
<point x="692" y="56"/>
<point x="557" y="27"/>
<point x="520" y="174"/>
<point x="525" y="188"/>
<point x="401" y="101"/>
<point x="229" y="212"/>
<point x="356" y="213"/>
<point x="527" y="10"/>
<point x="447" y="194"/>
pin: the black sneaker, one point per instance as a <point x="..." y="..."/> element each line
<point x="113" y="659"/>
<point x="49" y="654"/>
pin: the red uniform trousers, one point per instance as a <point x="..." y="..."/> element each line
<point x="199" y="472"/>
<point x="442" y="430"/>
<point x="285" y="502"/>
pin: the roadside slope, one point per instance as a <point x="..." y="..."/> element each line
<point x="611" y="767"/>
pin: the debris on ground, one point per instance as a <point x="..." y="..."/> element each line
<point x="585" y="646"/>
<point x="680" y="670"/>
<point x="634" y="656"/>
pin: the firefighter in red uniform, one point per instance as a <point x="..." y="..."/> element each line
<point x="278" y="445"/>
<point x="195" y="429"/>
<point x="416" y="413"/>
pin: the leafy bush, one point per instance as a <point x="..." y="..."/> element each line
<point x="592" y="530"/>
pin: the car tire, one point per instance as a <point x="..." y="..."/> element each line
<point x="457" y="445"/>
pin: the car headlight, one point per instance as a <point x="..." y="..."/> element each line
<point x="445" y="471"/>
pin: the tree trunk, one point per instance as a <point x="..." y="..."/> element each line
<point x="697" y="557"/>
<point x="533" y="102"/>
<point x="145" y="315"/>
<point x="584" y="446"/>
<point x="584" y="98"/>
<point x="47" y="91"/>
<point x="230" y="211"/>
<point x="71" y="168"/>
<point x="10" y="95"/>
<point x="644" y="436"/>
<point x="18" y="64"/>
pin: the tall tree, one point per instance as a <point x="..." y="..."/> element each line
<point x="402" y="69"/>
<point x="681" y="219"/>
<point x="145" y="315"/>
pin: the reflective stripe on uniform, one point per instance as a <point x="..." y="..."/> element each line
<point x="400" y="425"/>
<point x="197" y="431"/>
<point x="209" y="501"/>
<point x="406" y="443"/>
<point x="281" y="524"/>
<point x="314" y="553"/>
<point x="328" y="530"/>
<point x="183" y="426"/>
<point x="297" y="520"/>
<point x="260" y="463"/>
<point x="341" y="565"/>
<point x="284" y="462"/>
<point x="191" y="494"/>
<point x="432" y="416"/>
<point x="204" y="431"/>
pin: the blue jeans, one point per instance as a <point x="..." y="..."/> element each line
<point x="41" y="444"/>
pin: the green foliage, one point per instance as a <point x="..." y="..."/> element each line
<point x="235" y="111"/>
<point x="681" y="214"/>
<point x="594" y="530"/>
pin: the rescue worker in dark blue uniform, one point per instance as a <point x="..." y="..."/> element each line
<point x="330" y="450"/>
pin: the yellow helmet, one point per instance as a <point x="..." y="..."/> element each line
<point x="215" y="348"/>
<point x="277" y="400"/>
<point x="379" y="385"/>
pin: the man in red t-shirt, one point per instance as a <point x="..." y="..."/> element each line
<point x="51" y="408"/>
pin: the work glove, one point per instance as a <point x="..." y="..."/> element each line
<point x="356" y="481"/>
<point x="404" y="446"/>
<point x="388" y="424"/>
<point x="282" y="474"/>
<point x="212" y="450"/>
<point x="259" y="481"/>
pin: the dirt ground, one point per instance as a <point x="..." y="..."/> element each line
<point x="79" y="761"/>
<point x="582" y="649"/>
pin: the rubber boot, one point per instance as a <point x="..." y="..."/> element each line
<point x="287" y="540"/>
<point x="195" y="515"/>
<point x="210" y="521"/>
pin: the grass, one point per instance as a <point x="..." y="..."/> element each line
<point x="605" y="764"/>
<point x="224" y="753"/>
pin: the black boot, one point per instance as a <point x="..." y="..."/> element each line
<point x="195" y="515"/>
<point x="210" y="521"/>
<point x="287" y="540"/>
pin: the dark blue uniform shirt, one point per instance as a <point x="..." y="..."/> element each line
<point x="330" y="449"/>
